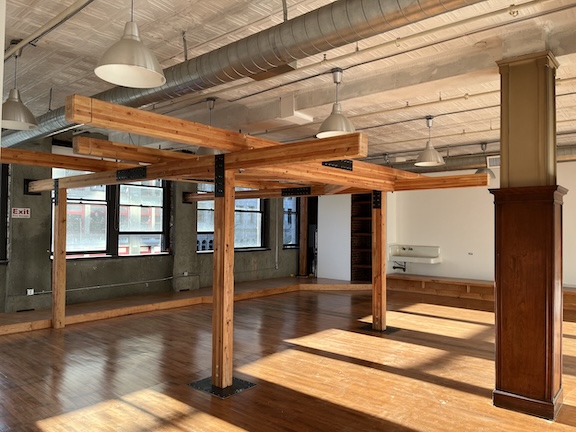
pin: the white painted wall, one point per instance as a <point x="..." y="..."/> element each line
<point x="334" y="237"/>
<point x="461" y="222"/>
<point x="567" y="179"/>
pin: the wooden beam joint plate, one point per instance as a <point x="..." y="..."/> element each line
<point x="344" y="164"/>
<point x="296" y="191"/>
<point x="136" y="173"/>
<point x="219" y="175"/>
<point x="376" y="199"/>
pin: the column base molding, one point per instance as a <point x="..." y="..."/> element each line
<point x="535" y="407"/>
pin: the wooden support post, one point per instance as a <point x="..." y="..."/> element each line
<point x="378" y="261"/>
<point x="528" y="230"/>
<point x="529" y="299"/>
<point x="59" y="261"/>
<point x="223" y="282"/>
<point x="303" y="238"/>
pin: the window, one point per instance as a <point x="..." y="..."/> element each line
<point x="248" y="222"/>
<point x="3" y="211"/>
<point x="291" y="222"/>
<point x="126" y="219"/>
<point x="141" y="227"/>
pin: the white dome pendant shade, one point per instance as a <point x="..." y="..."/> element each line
<point x="336" y="123"/>
<point x="429" y="156"/>
<point x="15" y="115"/>
<point x="485" y="170"/>
<point x="129" y="63"/>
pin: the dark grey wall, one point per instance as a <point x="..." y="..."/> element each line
<point x="90" y="279"/>
<point x="29" y="263"/>
<point x="253" y="265"/>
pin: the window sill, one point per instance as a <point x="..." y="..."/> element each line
<point x="104" y="256"/>
<point x="255" y="249"/>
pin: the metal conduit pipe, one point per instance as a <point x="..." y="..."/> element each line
<point x="58" y="20"/>
<point x="331" y="26"/>
<point x="565" y="153"/>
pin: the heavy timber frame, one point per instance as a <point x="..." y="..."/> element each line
<point x="272" y="170"/>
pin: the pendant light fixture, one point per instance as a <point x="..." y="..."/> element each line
<point x="203" y="151"/>
<point x="485" y="170"/>
<point x="336" y="123"/>
<point x="129" y="63"/>
<point x="429" y="156"/>
<point x="15" y="115"/>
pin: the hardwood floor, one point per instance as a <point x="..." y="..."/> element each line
<point x="316" y="365"/>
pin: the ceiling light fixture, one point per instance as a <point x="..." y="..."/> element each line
<point x="485" y="170"/>
<point x="336" y="123"/>
<point x="429" y="156"/>
<point x="203" y="151"/>
<point x="129" y="63"/>
<point x="15" y="115"/>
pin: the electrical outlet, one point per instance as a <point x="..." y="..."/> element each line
<point x="30" y="291"/>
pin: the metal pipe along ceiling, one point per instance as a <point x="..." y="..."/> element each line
<point x="331" y="26"/>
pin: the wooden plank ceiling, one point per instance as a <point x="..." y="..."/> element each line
<point x="268" y="167"/>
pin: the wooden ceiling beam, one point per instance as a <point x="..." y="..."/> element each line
<point x="444" y="182"/>
<point x="202" y="167"/>
<point x="318" y="173"/>
<point x="50" y="160"/>
<point x="97" y="113"/>
<point x="114" y="150"/>
<point x="190" y="197"/>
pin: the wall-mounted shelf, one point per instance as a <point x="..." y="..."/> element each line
<point x="414" y="254"/>
<point x="361" y="230"/>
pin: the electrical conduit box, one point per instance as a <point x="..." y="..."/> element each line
<point x="414" y="254"/>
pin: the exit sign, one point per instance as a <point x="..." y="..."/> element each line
<point x="21" y="213"/>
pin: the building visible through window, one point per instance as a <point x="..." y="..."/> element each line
<point x="248" y="222"/>
<point x="290" y="222"/>
<point x="126" y="219"/>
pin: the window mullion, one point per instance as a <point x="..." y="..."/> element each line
<point x="112" y="233"/>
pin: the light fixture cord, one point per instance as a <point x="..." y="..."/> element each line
<point x="15" y="70"/>
<point x="132" y="12"/>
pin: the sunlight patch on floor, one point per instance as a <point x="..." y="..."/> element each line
<point x="145" y="410"/>
<point x="375" y="375"/>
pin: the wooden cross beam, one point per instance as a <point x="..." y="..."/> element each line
<point x="49" y="160"/>
<point x="114" y="150"/>
<point x="445" y="182"/>
<point x="97" y="113"/>
<point x="190" y="197"/>
<point x="202" y="167"/>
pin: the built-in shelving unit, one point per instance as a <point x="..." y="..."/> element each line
<point x="361" y="243"/>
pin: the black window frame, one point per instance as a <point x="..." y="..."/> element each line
<point x="296" y="214"/>
<point x="113" y="232"/>
<point x="208" y="236"/>
<point x="165" y="226"/>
